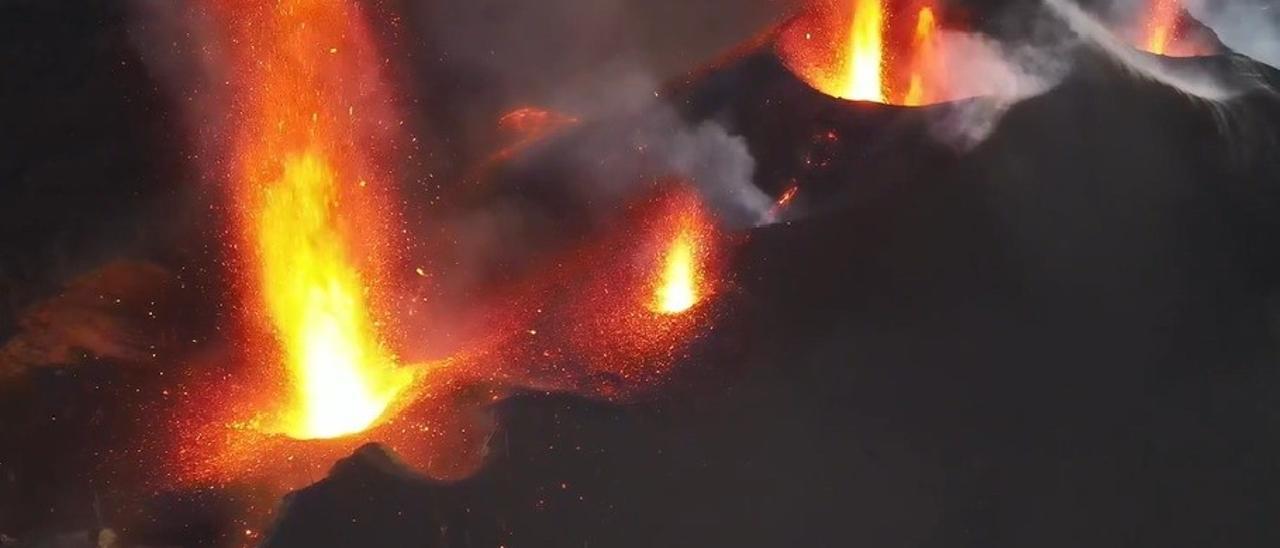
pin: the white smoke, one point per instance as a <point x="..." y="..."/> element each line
<point x="998" y="75"/>
<point x="1251" y="27"/>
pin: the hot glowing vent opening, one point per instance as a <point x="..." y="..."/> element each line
<point x="677" y="289"/>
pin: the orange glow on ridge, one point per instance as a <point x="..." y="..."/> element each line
<point x="342" y="373"/>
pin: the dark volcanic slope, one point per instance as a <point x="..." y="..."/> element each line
<point x="1063" y="338"/>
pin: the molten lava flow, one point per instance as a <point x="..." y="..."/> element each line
<point x="312" y="217"/>
<point x="924" y="55"/>
<point x="867" y="56"/>
<point x="1161" y="24"/>
<point x="865" y="53"/>
<point x="678" y="286"/>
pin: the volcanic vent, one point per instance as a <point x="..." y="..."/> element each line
<point x="1165" y="27"/>
<point x="884" y="51"/>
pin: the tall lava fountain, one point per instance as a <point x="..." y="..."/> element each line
<point x="309" y="195"/>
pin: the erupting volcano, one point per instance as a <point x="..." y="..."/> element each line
<point x="1165" y="28"/>
<point x="309" y="197"/>
<point x="1161" y="24"/>
<point x="868" y="50"/>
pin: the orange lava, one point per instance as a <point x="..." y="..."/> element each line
<point x="864" y="54"/>
<point x="623" y="307"/>
<point x="924" y="57"/>
<point x="1163" y="30"/>
<point x="1162" y="21"/>
<point x="868" y="50"/>
<point x="533" y="122"/>
<point x="311" y="199"/>
<point x="784" y="201"/>
<point x="677" y="289"/>
<point x="314" y="369"/>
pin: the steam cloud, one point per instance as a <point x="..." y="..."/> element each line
<point x="1251" y="27"/>
<point x="977" y="66"/>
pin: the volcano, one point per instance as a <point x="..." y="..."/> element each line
<point x="1059" y="334"/>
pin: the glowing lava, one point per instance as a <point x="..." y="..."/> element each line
<point x="1164" y="28"/>
<point x="1161" y="24"/>
<point x="342" y="372"/>
<point x="312" y="216"/>
<point x="865" y="53"/>
<point x="924" y="52"/>
<point x="677" y="289"/>
<point x="866" y="57"/>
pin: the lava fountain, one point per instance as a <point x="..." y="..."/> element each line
<point x="1162" y="20"/>
<point x="1164" y="28"/>
<point x="310" y="199"/>
<point x="864" y="54"/>
<point x="678" y="286"/>
<point x="868" y="50"/>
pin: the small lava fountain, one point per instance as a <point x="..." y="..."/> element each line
<point x="677" y="290"/>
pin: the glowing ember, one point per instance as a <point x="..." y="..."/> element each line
<point x="865" y="53"/>
<point x="310" y="212"/>
<point x="677" y="290"/>
<point x="787" y="195"/>
<point x="853" y="50"/>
